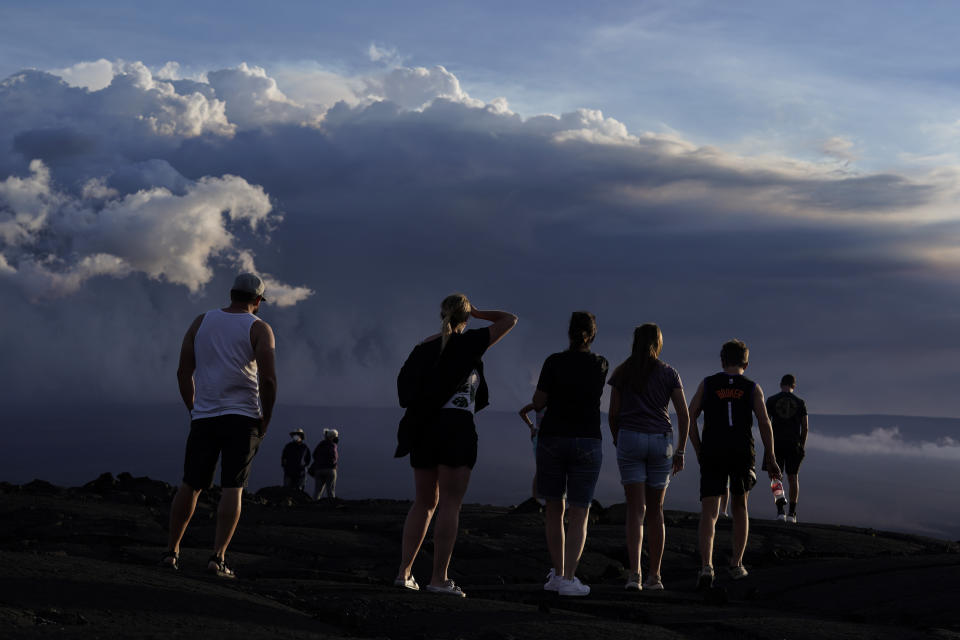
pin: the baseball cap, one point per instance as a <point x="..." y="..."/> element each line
<point x="249" y="283"/>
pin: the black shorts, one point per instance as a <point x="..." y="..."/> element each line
<point x="789" y="456"/>
<point x="236" y="437"/>
<point x="717" y="470"/>
<point x="449" y="438"/>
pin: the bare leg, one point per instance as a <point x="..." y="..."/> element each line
<point x="184" y="503"/>
<point x="228" y="515"/>
<point x="453" y="485"/>
<point x="555" y="534"/>
<point x="332" y="487"/>
<point x="655" y="528"/>
<point x="636" y="513"/>
<point x="576" y="537"/>
<point x="741" y="528"/>
<point x="724" y="499"/>
<point x="794" y="481"/>
<point x="709" y="510"/>
<point x="418" y="518"/>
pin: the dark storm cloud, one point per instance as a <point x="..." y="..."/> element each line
<point x="382" y="208"/>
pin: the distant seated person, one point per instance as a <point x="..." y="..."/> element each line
<point x="324" y="468"/>
<point x="295" y="460"/>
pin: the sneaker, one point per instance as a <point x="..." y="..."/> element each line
<point x="573" y="587"/>
<point x="553" y="581"/>
<point x="407" y="583"/>
<point x="738" y="572"/>
<point x="633" y="582"/>
<point x="781" y="517"/>
<point x="705" y="578"/>
<point x="447" y="588"/>
<point x="170" y="560"/>
<point x="653" y="583"/>
<point x="792" y="518"/>
<point x="218" y="567"/>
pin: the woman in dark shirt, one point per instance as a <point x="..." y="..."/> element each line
<point x="442" y="385"/>
<point x="569" y="448"/>
<point x="642" y="388"/>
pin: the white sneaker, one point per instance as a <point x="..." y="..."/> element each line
<point x="553" y="581"/>
<point x="653" y="583"/>
<point x="781" y="517"/>
<point x="573" y="587"/>
<point x="792" y="518"/>
<point x="633" y="582"/>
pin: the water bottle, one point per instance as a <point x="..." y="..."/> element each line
<point x="777" y="487"/>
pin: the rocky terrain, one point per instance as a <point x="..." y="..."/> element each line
<point x="82" y="563"/>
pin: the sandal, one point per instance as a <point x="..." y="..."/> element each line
<point x="218" y="567"/>
<point x="170" y="555"/>
<point x="447" y="588"/>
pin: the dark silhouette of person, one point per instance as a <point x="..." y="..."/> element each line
<point x="295" y="460"/>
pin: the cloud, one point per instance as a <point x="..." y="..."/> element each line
<point x="886" y="442"/>
<point x="386" y="55"/>
<point x="398" y="187"/>
<point x="417" y="87"/>
<point x="839" y="148"/>
<point x="93" y="75"/>
<point x="54" y="242"/>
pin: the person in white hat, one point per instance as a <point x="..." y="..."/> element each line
<point x="326" y="457"/>
<point x="295" y="460"/>
<point x="228" y="382"/>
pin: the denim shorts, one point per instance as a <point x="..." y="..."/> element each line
<point x="568" y="468"/>
<point x="645" y="457"/>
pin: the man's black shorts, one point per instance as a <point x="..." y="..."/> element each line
<point x="450" y="439"/>
<point x="716" y="470"/>
<point x="234" y="436"/>
<point x="789" y="455"/>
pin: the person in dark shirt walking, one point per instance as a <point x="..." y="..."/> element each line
<point x="729" y="401"/>
<point x="569" y="451"/>
<point x="295" y="459"/>
<point x="326" y="458"/>
<point x="788" y="413"/>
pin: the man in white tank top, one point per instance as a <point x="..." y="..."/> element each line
<point x="228" y="382"/>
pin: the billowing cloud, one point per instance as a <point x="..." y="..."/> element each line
<point x="397" y="187"/>
<point x="886" y="442"/>
<point x="53" y="242"/>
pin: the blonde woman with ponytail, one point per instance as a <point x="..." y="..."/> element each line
<point x="442" y="385"/>
<point x="642" y="389"/>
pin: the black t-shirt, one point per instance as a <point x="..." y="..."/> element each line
<point x="728" y="415"/>
<point x="786" y="414"/>
<point x="573" y="382"/>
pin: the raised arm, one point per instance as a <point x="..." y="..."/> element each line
<point x="696" y="406"/>
<point x="188" y="364"/>
<point x="683" y="427"/>
<point x="264" y="350"/>
<point x="502" y="321"/>
<point x="766" y="434"/>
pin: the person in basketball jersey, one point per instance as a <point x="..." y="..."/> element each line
<point x="728" y="401"/>
<point x="790" y="426"/>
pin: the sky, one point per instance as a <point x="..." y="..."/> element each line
<point x="787" y="175"/>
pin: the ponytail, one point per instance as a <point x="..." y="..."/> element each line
<point x="583" y="329"/>
<point x="647" y="344"/>
<point x="454" y="311"/>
